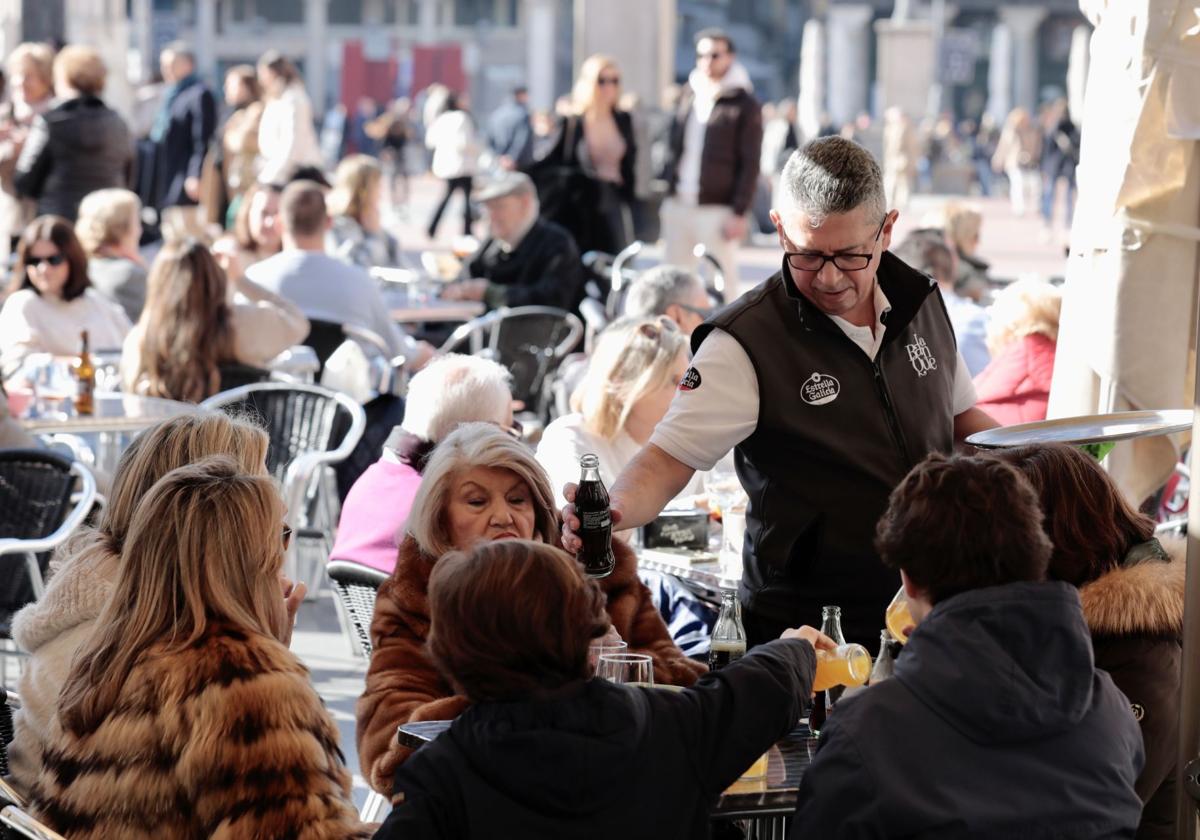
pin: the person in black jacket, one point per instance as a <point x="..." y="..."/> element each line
<point x="586" y="176"/>
<point x="182" y="129"/>
<point x="78" y="146"/>
<point x="546" y="751"/>
<point x="1132" y="589"/>
<point x="528" y="261"/>
<point x="996" y="723"/>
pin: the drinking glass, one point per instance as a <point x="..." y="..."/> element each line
<point x="898" y="617"/>
<point x="630" y="668"/>
<point x="601" y="647"/>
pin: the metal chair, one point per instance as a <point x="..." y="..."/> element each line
<point x="621" y="278"/>
<point x="8" y="701"/>
<point x="716" y="286"/>
<point x="531" y="341"/>
<point x="302" y="422"/>
<point x="355" y="586"/>
<point x="22" y="824"/>
<point x="387" y="371"/>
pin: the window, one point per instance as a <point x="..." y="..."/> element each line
<point x="346" y="12"/>
<point x="280" y="11"/>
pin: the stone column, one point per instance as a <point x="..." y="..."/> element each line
<point x="540" y="26"/>
<point x="316" y="25"/>
<point x="1023" y="23"/>
<point x="629" y="31"/>
<point x="206" y="40"/>
<point x="1000" y="74"/>
<point x="142" y="18"/>
<point x="427" y="21"/>
<point x="849" y="39"/>
<point x="812" y="79"/>
<point x="905" y="69"/>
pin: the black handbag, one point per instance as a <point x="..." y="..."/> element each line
<point x="565" y="192"/>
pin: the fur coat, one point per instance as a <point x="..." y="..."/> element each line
<point x="50" y="631"/>
<point x="403" y="685"/>
<point x="225" y="739"/>
<point x="1135" y="613"/>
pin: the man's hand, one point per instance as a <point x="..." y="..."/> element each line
<point x="191" y="187"/>
<point x="571" y="542"/>
<point x="814" y="637"/>
<point x="465" y="290"/>
<point x="734" y="228"/>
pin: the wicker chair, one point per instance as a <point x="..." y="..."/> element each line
<point x="303" y="423"/>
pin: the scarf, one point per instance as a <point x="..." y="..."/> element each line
<point x="410" y="449"/>
<point x="163" y="120"/>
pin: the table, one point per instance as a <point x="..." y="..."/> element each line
<point x="762" y="800"/>
<point x="114" y="412"/>
<point x="405" y="310"/>
<point x="699" y="569"/>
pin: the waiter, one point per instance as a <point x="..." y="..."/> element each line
<point x="830" y="381"/>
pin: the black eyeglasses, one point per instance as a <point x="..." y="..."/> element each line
<point x="54" y="259"/>
<point x="813" y="263"/>
<point x="609" y="80"/>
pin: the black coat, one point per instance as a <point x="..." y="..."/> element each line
<point x="75" y="148"/>
<point x="996" y="725"/>
<point x="1135" y="613"/>
<point x="180" y="153"/>
<point x="543" y="270"/>
<point x="604" y="760"/>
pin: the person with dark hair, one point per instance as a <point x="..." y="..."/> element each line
<point x="548" y="751"/>
<point x="1017" y="732"/>
<point x="183" y="128"/>
<point x="78" y="146"/>
<point x="712" y="171"/>
<point x="51" y="300"/>
<point x="235" y="154"/>
<point x="1132" y="589"/>
<point x="509" y="131"/>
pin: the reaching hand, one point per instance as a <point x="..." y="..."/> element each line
<point x="814" y="637"/>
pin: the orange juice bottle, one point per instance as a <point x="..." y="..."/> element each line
<point x="849" y="665"/>
<point x="898" y="617"/>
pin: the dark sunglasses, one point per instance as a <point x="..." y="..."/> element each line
<point x="287" y="537"/>
<point x="609" y="80"/>
<point x="712" y="56"/>
<point x="55" y="259"/>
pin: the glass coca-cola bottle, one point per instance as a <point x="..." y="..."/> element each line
<point x="595" y="520"/>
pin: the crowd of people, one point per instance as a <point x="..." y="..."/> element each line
<point x="160" y="695"/>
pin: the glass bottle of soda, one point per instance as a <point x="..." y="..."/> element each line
<point x="595" y="520"/>
<point x="831" y="626"/>
<point x="85" y="380"/>
<point x="885" y="662"/>
<point x="729" y="636"/>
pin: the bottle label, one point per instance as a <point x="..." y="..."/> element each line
<point x="593" y="520"/>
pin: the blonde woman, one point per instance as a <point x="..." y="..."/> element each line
<point x="1022" y="338"/>
<point x="188" y="687"/>
<point x="357" y="235"/>
<point x="588" y="175"/>
<point x="630" y="382"/>
<point x="480" y="485"/>
<point x="31" y="86"/>
<point x="963" y="224"/>
<point x="286" y="136"/>
<point x="83" y="572"/>
<point x="109" y="227"/>
<point x="190" y="328"/>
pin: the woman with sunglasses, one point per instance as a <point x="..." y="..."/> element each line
<point x="629" y="384"/>
<point x="51" y="301"/>
<point x="585" y="182"/>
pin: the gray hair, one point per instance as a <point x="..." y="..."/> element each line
<point x="830" y="176"/>
<point x="453" y="390"/>
<point x="658" y="288"/>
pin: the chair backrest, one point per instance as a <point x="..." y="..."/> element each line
<point x="35" y="496"/>
<point x="324" y="337"/>
<point x="22" y="824"/>
<point x="298" y="418"/>
<point x="530" y="341"/>
<point x="356" y="586"/>
<point x="236" y="374"/>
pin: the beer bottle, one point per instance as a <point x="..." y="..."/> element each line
<point x="885" y="662"/>
<point x="85" y="380"/>
<point x="728" y="637"/>
<point x="595" y="520"/>
<point x="831" y="626"/>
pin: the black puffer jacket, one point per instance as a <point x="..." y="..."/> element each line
<point x="79" y="146"/>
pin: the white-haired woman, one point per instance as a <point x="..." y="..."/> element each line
<point x="596" y="138"/>
<point x="109" y="227"/>
<point x="1022" y="338"/>
<point x="447" y="392"/>
<point x="630" y="381"/>
<point x="480" y="486"/>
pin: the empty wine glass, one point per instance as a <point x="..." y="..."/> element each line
<point x="601" y="647"/>
<point x="629" y="668"/>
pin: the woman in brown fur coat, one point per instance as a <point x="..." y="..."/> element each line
<point x="1132" y="591"/>
<point x="185" y="715"/>
<point x="479" y="485"/>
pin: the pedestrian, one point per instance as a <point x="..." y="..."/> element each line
<point x="829" y="381"/>
<point x="510" y="133"/>
<point x="235" y="154"/>
<point x="713" y="169"/>
<point x="186" y="121"/>
<point x="286" y="136"/>
<point x="1018" y="153"/>
<point x="455" y="148"/>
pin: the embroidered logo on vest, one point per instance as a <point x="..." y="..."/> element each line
<point x="920" y="356"/>
<point x="820" y="388"/>
<point x="690" y="381"/>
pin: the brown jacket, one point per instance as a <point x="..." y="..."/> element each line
<point x="1135" y="613"/>
<point x="226" y="739"/>
<point x="403" y="685"/>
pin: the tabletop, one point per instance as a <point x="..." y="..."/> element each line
<point x="114" y="412"/>
<point x="407" y="309"/>
<point x="773" y="795"/>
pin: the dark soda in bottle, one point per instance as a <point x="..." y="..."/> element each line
<point x="595" y="520"/>
<point x="728" y="642"/>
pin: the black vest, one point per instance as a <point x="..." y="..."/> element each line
<point x="836" y="432"/>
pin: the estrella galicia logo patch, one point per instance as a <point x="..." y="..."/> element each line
<point x="690" y="381"/>
<point x="920" y="355"/>
<point x="819" y="389"/>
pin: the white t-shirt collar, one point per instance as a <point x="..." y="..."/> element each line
<point x="868" y="340"/>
